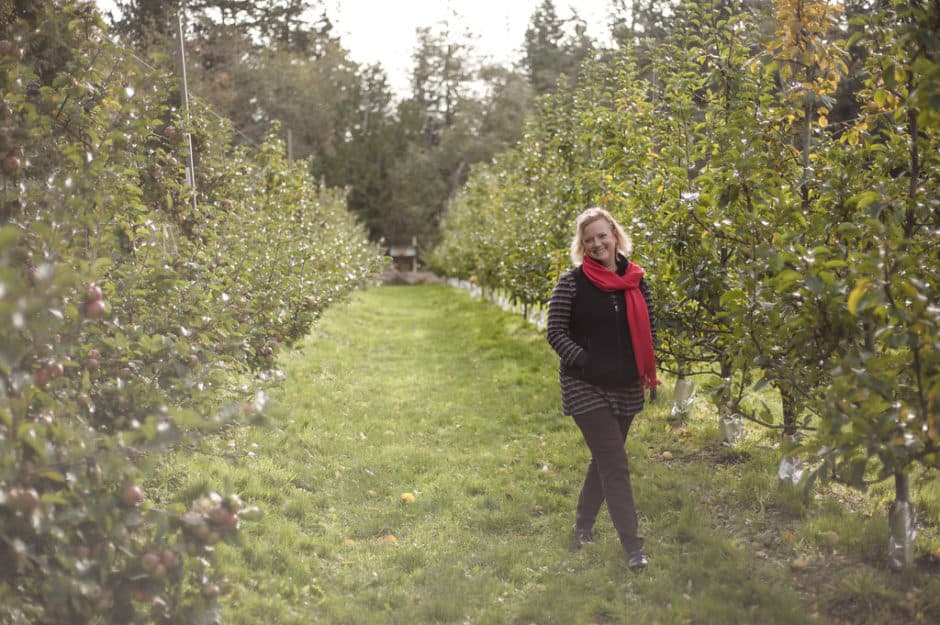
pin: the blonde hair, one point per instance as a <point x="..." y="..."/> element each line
<point x="624" y="243"/>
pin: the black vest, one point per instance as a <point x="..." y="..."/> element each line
<point x="599" y="325"/>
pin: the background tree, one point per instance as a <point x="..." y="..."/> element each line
<point x="554" y="47"/>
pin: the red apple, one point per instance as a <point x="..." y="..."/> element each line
<point x="168" y="558"/>
<point x="150" y="561"/>
<point x="139" y="595"/>
<point x="12" y="164"/>
<point x="95" y="309"/>
<point x="132" y="494"/>
<point x="94" y="293"/>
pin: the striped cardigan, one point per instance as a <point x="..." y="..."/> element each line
<point x="579" y="396"/>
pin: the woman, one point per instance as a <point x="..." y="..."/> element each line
<point x="600" y="322"/>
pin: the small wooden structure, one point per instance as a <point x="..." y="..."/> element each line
<point x="405" y="257"/>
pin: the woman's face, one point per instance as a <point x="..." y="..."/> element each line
<point x="600" y="242"/>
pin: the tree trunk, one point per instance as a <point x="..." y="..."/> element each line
<point x="901" y="525"/>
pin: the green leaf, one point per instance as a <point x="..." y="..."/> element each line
<point x="865" y="199"/>
<point x="786" y="279"/>
<point x="8" y="237"/>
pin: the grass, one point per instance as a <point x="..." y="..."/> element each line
<point x="424" y="391"/>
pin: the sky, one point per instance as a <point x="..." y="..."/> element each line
<point x="383" y="31"/>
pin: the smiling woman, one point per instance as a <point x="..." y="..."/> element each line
<point x="600" y="323"/>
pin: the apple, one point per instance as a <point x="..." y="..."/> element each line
<point x="168" y="558"/>
<point x="42" y="377"/>
<point x="150" y="561"/>
<point x="233" y="502"/>
<point x="139" y="595"/>
<point x="223" y="518"/>
<point x="131" y="494"/>
<point x="8" y="49"/>
<point x="56" y="370"/>
<point x="12" y="164"/>
<point x="93" y="293"/>
<point x="23" y="500"/>
<point x="95" y="309"/>
<point x="312" y="303"/>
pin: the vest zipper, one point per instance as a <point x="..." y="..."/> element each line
<point x="618" y="318"/>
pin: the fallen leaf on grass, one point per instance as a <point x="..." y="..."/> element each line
<point x="800" y="563"/>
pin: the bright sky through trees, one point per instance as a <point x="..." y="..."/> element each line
<point x="384" y="32"/>
<point x="380" y="31"/>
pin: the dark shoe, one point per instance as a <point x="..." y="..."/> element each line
<point x="583" y="536"/>
<point x="637" y="561"/>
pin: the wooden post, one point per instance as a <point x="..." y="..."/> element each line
<point x="414" y="259"/>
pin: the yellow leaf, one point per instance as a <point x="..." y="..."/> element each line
<point x="823" y="121"/>
<point x="860" y="289"/>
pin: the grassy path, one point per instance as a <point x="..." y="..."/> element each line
<point x="423" y="393"/>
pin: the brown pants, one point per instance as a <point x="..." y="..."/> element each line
<point x="608" y="476"/>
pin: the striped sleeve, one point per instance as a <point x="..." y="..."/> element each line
<point x="648" y="296"/>
<point x="559" y="320"/>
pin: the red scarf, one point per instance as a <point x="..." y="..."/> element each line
<point x="638" y="317"/>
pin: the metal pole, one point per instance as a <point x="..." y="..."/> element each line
<point x="290" y="147"/>
<point x="191" y="169"/>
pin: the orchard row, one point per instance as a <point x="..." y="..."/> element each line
<point x="779" y="171"/>
<point x="131" y="300"/>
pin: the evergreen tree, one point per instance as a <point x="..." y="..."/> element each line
<point x="550" y="52"/>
